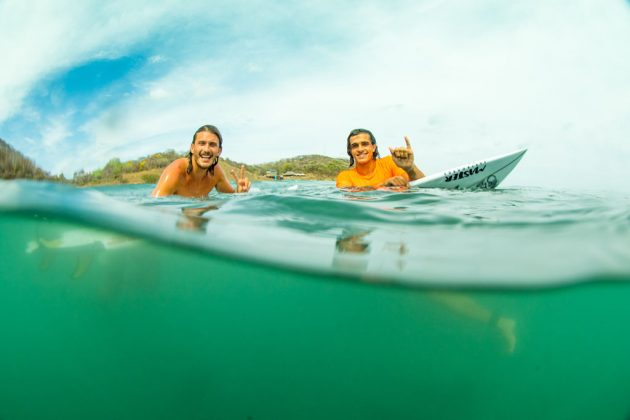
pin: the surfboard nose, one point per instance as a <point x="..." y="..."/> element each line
<point x="483" y="174"/>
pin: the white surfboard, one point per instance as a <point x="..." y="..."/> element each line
<point x="485" y="174"/>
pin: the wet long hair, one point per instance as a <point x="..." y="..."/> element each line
<point x="212" y="129"/>
<point x="354" y="133"/>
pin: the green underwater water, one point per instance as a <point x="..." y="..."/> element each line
<point x="114" y="306"/>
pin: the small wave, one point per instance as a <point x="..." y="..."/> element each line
<point x="515" y="237"/>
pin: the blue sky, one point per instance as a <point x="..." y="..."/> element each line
<point x="86" y="81"/>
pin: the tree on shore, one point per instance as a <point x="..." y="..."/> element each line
<point x="147" y="169"/>
<point x="14" y="165"/>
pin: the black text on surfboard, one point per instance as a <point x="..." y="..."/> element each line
<point x="465" y="173"/>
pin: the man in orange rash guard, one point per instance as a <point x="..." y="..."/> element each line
<point x="370" y="171"/>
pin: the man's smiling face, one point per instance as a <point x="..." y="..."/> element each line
<point x="205" y="150"/>
<point x="362" y="148"/>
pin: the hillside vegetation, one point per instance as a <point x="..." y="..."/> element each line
<point x="311" y="166"/>
<point x="147" y="170"/>
<point x="14" y="165"/>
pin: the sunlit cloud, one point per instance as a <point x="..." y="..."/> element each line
<point x="464" y="79"/>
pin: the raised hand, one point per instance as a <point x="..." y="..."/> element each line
<point x="242" y="183"/>
<point x="403" y="156"/>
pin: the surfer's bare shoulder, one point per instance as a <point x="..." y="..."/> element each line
<point x="172" y="176"/>
<point x="178" y="166"/>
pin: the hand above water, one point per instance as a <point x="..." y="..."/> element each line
<point x="403" y="156"/>
<point x="242" y="183"/>
<point x="395" y="181"/>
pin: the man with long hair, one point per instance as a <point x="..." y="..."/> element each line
<point x="198" y="174"/>
<point x="369" y="171"/>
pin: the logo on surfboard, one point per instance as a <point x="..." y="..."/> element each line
<point x="488" y="183"/>
<point x="465" y="173"/>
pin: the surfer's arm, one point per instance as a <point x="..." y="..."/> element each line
<point x="414" y="173"/>
<point x="222" y="184"/>
<point x="169" y="180"/>
<point x="347" y="185"/>
<point x="344" y="181"/>
<point x="403" y="158"/>
<point x="358" y="189"/>
<point x="395" y="181"/>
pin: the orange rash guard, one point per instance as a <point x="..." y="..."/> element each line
<point x="385" y="169"/>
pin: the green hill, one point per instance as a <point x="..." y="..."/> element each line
<point x="14" y="165"/>
<point x="301" y="167"/>
<point x="147" y="170"/>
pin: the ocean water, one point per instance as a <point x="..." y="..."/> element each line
<point x="300" y="301"/>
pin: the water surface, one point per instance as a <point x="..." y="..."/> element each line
<point x="301" y="301"/>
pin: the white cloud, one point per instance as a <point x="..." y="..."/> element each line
<point x="463" y="79"/>
<point x="56" y="132"/>
<point x="154" y="59"/>
<point x="158" y="93"/>
<point x="39" y="37"/>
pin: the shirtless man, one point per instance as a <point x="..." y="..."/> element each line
<point x="370" y="171"/>
<point x="198" y="174"/>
